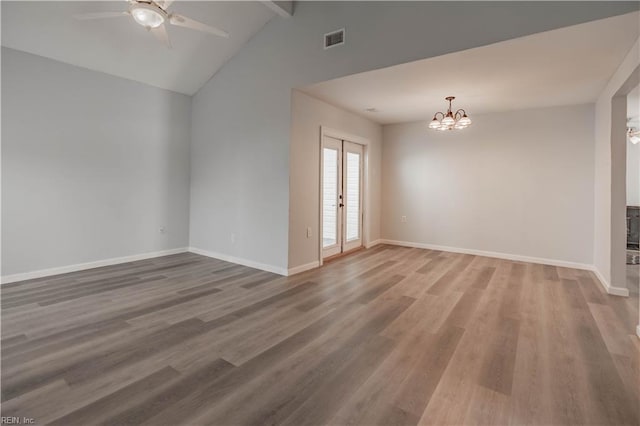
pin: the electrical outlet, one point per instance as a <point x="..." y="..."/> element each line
<point x="403" y="219"/>
<point x="309" y="233"/>
<point x="233" y="238"/>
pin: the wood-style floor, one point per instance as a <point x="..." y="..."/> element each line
<point x="386" y="336"/>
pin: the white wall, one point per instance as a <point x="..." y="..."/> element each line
<point x="307" y="115"/>
<point x="241" y="118"/>
<point x="609" y="211"/>
<point x="92" y="165"/>
<point x="519" y="183"/>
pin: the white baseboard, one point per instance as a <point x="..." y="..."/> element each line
<point x="6" y="279"/>
<point x="614" y="291"/>
<point x="373" y="243"/>
<point x="303" y="268"/>
<point x="240" y="261"/>
<point x="507" y="256"/>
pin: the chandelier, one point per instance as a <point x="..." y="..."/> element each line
<point x="449" y="120"/>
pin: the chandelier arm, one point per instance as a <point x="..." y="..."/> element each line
<point x="436" y="115"/>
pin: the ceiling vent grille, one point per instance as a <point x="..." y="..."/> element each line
<point x="335" y="38"/>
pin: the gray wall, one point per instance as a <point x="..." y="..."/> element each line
<point x="92" y="165"/>
<point x="519" y="183"/>
<point x="241" y="118"/>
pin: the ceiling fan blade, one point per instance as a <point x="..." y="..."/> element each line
<point x="161" y="34"/>
<point x="100" y="15"/>
<point x="183" y="21"/>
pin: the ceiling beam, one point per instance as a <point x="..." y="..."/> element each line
<point x="282" y="8"/>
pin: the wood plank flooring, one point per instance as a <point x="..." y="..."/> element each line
<point x="386" y="336"/>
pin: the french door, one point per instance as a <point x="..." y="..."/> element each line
<point x="342" y="175"/>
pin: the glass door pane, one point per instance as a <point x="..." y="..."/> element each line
<point x="330" y="185"/>
<point x="352" y="195"/>
<point x="352" y="161"/>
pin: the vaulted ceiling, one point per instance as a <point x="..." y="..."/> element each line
<point x="120" y="47"/>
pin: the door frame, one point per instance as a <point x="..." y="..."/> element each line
<point x="366" y="143"/>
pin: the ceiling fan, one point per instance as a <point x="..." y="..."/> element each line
<point x="153" y="14"/>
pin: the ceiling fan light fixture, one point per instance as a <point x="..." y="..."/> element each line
<point x="147" y="15"/>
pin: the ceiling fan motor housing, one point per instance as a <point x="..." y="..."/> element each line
<point x="149" y="15"/>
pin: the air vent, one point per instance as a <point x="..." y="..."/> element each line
<point x="335" y="38"/>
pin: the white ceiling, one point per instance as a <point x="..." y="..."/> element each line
<point x="120" y="47"/>
<point x="567" y="66"/>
